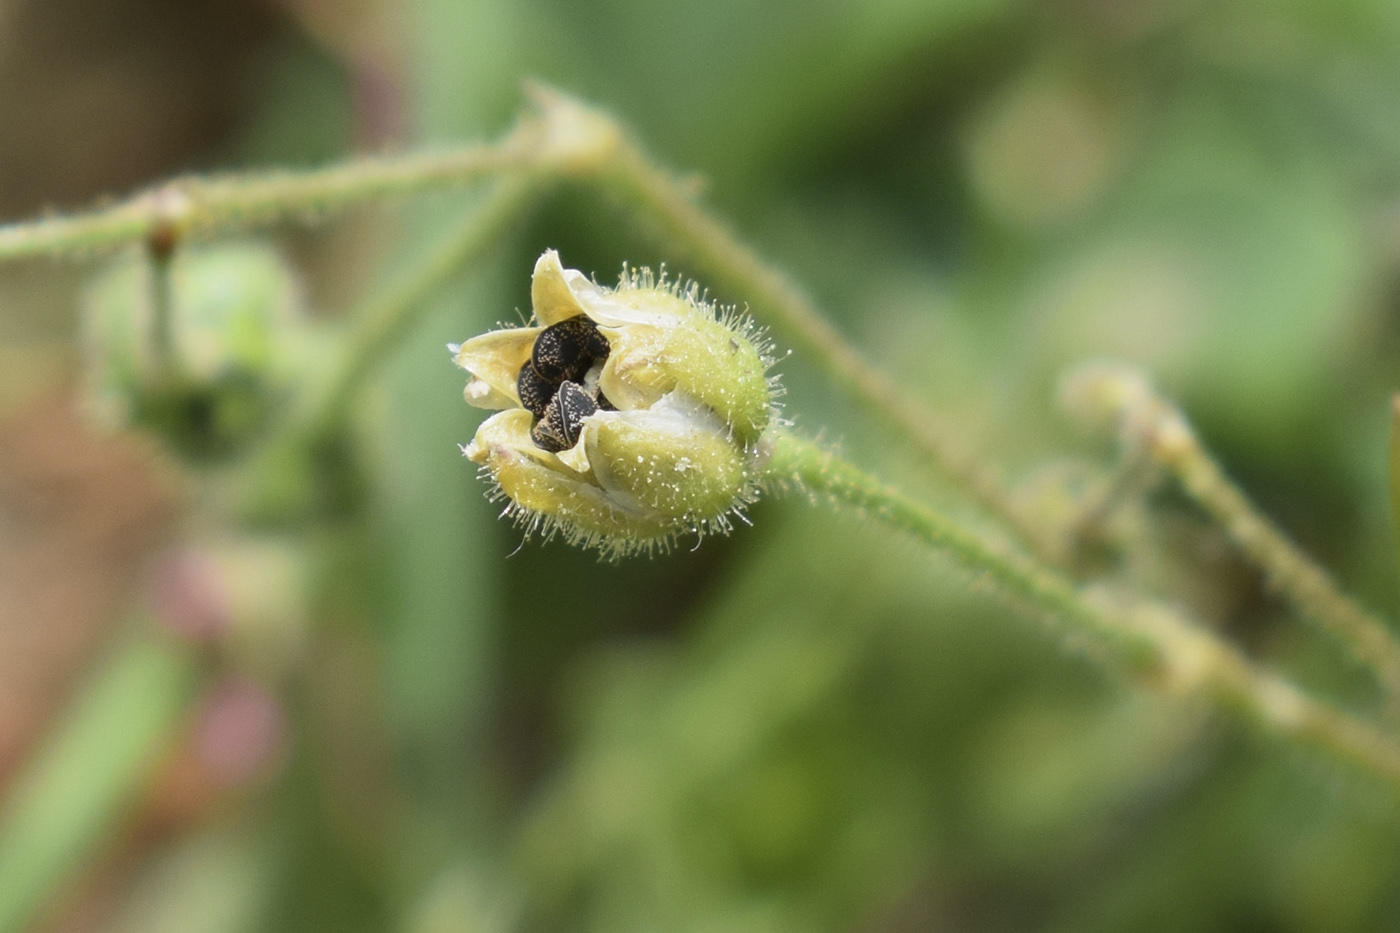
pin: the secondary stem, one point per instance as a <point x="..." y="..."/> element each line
<point x="389" y="314"/>
<point x="1156" y="646"/>
<point x="636" y="180"/>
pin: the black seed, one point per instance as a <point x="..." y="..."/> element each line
<point x="575" y="404"/>
<point x="534" y="392"/>
<point x="567" y="350"/>
<point x="546" y="438"/>
<point x="559" y="426"/>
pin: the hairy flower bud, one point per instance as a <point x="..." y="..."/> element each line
<point x="626" y="416"/>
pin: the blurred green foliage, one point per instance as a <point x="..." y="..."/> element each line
<point x="808" y="725"/>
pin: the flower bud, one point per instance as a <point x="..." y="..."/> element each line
<point x="235" y="339"/>
<point x="626" y="416"/>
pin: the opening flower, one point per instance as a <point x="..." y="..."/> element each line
<point x="624" y="416"/>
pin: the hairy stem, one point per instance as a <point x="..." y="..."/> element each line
<point x="816" y="470"/>
<point x="1151" y="644"/>
<point x="567" y="138"/>
<point x="195" y="206"/>
<point x="660" y="198"/>
<point x="1148" y="422"/>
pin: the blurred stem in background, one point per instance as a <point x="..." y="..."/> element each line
<point x="384" y="319"/>
<point x="191" y="208"/>
<point x="1146" y="422"/>
<point x="388" y="315"/>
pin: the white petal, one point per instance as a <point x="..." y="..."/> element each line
<point x="494" y="360"/>
<point x="550" y="293"/>
<point x="676" y="413"/>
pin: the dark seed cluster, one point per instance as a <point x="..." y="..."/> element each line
<point x="554" y="384"/>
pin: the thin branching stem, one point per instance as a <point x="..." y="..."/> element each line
<point x="569" y="139"/>
<point x="199" y="206"/>
<point x="819" y="471"/>
<point x="1151" y="644"/>
<point x="1148" y="422"/>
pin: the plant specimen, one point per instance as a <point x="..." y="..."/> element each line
<point x="624" y="418"/>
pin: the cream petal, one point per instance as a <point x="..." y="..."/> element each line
<point x="613" y="314"/>
<point x="677" y="414"/>
<point x="510" y="431"/>
<point x="553" y="299"/>
<point x="558" y="293"/>
<point x="576" y="457"/>
<point x="505" y="429"/>
<point x="597" y="302"/>
<point x="635" y="377"/>
<point x="494" y="360"/>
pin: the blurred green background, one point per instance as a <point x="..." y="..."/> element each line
<point x="404" y="721"/>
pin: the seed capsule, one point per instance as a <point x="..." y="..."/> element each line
<point x="625" y="416"/>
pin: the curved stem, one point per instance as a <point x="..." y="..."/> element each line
<point x="1155" y="646"/>
<point x="635" y="179"/>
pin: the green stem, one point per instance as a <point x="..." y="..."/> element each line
<point x="195" y="206"/>
<point x="817" y="470"/>
<point x="635" y="179"/>
<point x="1153" y="645"/>
<point x="1129" y="478"/>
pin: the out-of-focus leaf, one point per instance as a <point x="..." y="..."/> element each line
<point x="90" y="769"/>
